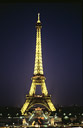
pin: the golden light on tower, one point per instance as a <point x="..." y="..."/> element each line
<point x="38" y="78"/>
<point x="38" y="68"/>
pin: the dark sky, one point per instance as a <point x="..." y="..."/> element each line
<point x="61" y="46"/>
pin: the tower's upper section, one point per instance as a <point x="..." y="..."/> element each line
<point x="38" y="24"/>
<point x="38" y="67"/>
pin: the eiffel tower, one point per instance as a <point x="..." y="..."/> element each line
<point x="38" y="79"/>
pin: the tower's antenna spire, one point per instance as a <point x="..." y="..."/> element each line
<point x="38" y="18"/>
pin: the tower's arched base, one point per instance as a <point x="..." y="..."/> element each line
<point x="37" y="99"/>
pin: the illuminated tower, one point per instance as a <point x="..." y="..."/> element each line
<point x="38" y="78"/>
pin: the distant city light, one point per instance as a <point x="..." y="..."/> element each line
<point x="0" y="114"/>
<point x="75" y="116"/>
<point x="69" y="114"/>
<point x="6" y="125"/>
<point x="64" y="114"/>
<point x="55" y="117"/>
<point x="20" y="117"/>
<point x="9" y="117"/>
<point x="66" y="117"/>
<point x="82" y="122"/>
<point x="17" y="114"/>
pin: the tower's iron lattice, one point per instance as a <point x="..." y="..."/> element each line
<point x="38" y="78"/>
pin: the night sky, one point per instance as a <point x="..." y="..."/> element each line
<point x="61" y="47"/>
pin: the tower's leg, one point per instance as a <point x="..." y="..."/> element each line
<point x="44" y="89"/>
<point x="32" y="89"/>
<point x="23" y="109"/>
<point x="51" y="106"/>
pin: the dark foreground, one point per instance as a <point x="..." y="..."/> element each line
<point x="68" y="117"/>
<point x="43" y="126"/>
